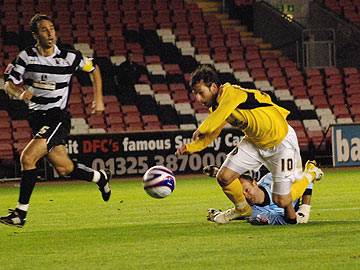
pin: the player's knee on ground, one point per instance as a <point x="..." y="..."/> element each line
<point x="282" y="200"/>
<point x="65" y="169"/>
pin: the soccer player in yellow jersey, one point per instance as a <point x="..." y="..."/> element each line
<point x="268" y="140"/>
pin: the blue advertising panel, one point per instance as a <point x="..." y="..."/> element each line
<point x="346" y="145"/>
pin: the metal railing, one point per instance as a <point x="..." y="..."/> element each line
<point x="318" y="48"/>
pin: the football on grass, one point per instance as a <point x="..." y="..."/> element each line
<point x="159" y="182"/>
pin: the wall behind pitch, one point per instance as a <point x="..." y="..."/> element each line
<point x="131" y="154"/>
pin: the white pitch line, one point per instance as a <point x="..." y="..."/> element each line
<point x="337" y="209"/>
<point x="334" y="220"/>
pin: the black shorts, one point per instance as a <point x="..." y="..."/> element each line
<point x="53" y="125"/>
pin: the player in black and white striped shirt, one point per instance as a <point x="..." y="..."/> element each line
<point x="40" y="76"/>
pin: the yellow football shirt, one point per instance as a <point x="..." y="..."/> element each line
<point x="252" y="111"/>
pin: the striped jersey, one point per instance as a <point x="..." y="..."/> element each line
<point x="48" y="78"/>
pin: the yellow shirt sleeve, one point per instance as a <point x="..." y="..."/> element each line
<point x="198" y="145"/>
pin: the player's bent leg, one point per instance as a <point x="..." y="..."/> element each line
<point x="311" y="173"/>
<point x="314" y="172"/>
<point x="59" y="158"/>
<point x="231" y="186"/>
<point x="32" y="153"/>
<point x="220" y="216"/>
<point x="284" y="201"/>
<point x="34" y="150"/>
<point x="281" y="196"/>
<point x="65" y="166"/>
<point x="244" y="157"/>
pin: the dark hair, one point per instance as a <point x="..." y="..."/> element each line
<point x="204" y="73"/>
<point x="36" y="19"/>
<point x="251" y="175"/>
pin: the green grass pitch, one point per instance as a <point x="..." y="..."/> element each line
<point x="69" y="227"/>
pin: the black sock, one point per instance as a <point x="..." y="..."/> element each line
<point x="27" y="184"/>
<point x="82" y="172"/>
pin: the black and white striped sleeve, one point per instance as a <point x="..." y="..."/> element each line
<point x="15" y="70"/>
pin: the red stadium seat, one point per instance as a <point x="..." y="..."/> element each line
<point x="238" y="65"/>
<point x="20" y="123"/>
<point x="134" y="127"/>
<point x="111" y="108"/>
<point x="258" y="74"/>
<point x="337" y="100"/>
<point x="279" y="83"/>
<point x="114" y="119"/>
<point x="152" y="126"/>
<point x="6" y="151"/>
<point x="316" y="91"/>
<point x="340" y="111"/>
<point x="320" y="101"/>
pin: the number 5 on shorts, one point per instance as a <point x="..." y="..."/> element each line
<point x="43" y="130"/>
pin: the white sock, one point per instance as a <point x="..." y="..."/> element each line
<point x="23" y="207"/>
<point x="96" y="177"/>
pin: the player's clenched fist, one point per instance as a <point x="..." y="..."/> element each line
<point x="26" y="95"/>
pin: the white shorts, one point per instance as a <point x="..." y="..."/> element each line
<point x="283" y="161"/>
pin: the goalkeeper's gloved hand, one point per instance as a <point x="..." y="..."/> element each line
<point x="303" y="214"/>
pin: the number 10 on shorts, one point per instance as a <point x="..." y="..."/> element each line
<point x="287" y="164"/>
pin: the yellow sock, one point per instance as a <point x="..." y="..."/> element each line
<point x="234" y="192"/>
<point x="298" y="187"/>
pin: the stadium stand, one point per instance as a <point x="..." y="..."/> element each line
<point x="166" y="40"/>
<point x="349" y="9"/>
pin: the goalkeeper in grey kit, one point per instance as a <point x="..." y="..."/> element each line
<point x="258" y="194"/>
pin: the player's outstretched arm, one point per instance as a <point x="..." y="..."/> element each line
<point x="98" y="102"/>
<point x="17" y="91"/>
<point x="201" y="140"/>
